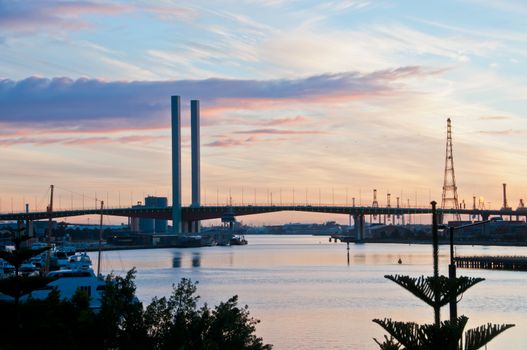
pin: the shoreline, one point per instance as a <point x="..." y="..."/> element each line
<point x="366" y="241"/>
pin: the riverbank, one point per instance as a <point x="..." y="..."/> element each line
<point x="106" y="247"/>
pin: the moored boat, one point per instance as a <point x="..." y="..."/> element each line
<point x="238" y="240"/>
<point x="67" y="283"/>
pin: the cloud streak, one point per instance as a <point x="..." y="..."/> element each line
<point x="82" y="102"/>
<point x="507" y="132"/>
<point x="279" y="132"/>
<point x="12" y="141"/>
<point x="32" y="15"/>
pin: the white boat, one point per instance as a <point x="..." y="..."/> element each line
<point x="6" y="268"/>
<point x="80" y="261"/>
<point x="68" y="281"/>
<point x="28" y="269"/>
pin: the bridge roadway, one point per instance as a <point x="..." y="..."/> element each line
<point x="213" y="212"/>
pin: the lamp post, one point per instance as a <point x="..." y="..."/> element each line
<point x="452" y="276"/>
<point x="452" y="266"/>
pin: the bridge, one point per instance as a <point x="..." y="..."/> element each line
<point x="215" y="212"/>
<point x="186" y="219"/>
<point x="192" y="214"/>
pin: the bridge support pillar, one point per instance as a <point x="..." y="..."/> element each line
<point x="359" y="222"/>
<point x="485" y="217"/>
<point x="195" y="226"/>
<point x="186" y="227"/>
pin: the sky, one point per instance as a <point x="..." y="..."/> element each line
<point x="301" y="101"/>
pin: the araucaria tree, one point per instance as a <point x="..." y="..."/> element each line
<point x="436" y="291"/>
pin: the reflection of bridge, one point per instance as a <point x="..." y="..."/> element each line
<point x="194" y="214"/>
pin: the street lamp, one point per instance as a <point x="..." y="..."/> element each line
<point x="452" y="266"/>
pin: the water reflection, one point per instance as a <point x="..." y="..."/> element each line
<point x="196" y="259"/>
<point x="301" y="288"/>
<point x="176" y="260"/>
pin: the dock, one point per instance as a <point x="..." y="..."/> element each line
<point x="511" y="263"/>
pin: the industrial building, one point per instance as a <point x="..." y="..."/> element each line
<point x="148" y="225"/>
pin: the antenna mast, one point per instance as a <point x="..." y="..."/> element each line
<point x="449" y="199"/>
<point x="50" y="228"/>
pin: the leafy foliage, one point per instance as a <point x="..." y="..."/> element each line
<point x="175" y="322"/>
<point x="18" y="256"/>
<point x="17" y="286"/>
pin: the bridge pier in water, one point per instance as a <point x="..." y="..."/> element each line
<point x="358" y="228"/>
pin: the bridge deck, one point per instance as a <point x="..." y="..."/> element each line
<point x="214" y="212"/>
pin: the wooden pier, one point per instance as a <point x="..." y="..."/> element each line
<point x="511" y="263"/>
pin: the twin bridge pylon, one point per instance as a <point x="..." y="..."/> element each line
<point x="180" y="226"/>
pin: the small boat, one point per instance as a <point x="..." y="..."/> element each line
<point x="6" y="268"/>
<point x="80" y="261"/>
<point x="238" y="240"/>
<point x="59" y="260"/>
<point x="28" y="269"/>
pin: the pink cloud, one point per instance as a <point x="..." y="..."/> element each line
<point x="279" y="132"/>
<point x="169" y="13"/>
<point x="230" y="142"/>
<point x="31" y="15"/>
<point x="299" y="119"/>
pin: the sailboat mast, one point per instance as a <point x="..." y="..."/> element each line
<point x="50" y="227"/>
<point x="100" y="242"/>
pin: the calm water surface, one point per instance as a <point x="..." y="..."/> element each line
<point x="308" y="297"/>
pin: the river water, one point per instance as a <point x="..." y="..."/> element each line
<point x="307" y="296"/>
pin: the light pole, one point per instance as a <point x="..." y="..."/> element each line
<point x="452" y="266"/>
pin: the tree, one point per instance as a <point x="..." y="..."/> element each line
<point x="17" y="286"/>
<point x="436" y="291"/>
<point x="177" y="323"/>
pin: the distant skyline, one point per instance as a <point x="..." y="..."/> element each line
<point x="335" y="97"/>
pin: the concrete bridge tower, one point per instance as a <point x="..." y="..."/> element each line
<point x="179" y="226"/>
<point x="176" y="164"/>
<point x="196" y="168"/>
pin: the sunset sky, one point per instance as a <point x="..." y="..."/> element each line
<point x="334" y="97"/>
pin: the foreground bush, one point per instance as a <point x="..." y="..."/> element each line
<point x="122" y="323"/>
